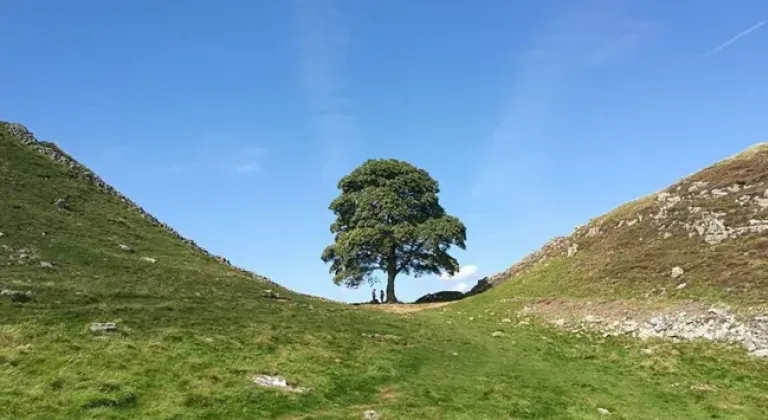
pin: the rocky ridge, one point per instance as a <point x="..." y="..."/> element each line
<point x="50" y="150"/>
<point x="725" y="202"/>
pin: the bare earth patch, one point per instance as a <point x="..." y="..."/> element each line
<point x="404" y="307"/>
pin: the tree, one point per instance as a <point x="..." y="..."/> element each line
<point x="388" y="218"/>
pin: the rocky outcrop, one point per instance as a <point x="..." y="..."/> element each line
<point x="482" y="285"/>
<point x="716" y="323"/>
<point x="23" y="135"/>
<point x="444" y="296"/>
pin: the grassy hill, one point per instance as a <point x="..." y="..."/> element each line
<point x="192" y="331"/>
<point x="711" y="229"/>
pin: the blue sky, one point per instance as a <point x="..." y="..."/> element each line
<point x="233" y="120"/>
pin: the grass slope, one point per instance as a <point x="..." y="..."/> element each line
<point x="192" y="331"/>
<point x="713" y="225"/>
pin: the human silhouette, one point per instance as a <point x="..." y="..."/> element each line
<point x="381" y="294"/>
<point x="373" y="296"/>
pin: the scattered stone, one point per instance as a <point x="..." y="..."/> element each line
<point x="1" y="234"/>
<point x="277" y="382"/>
<point x="383" y="336"/>
<point x="149" y="260"/>
<point x="702" y="387"/>
<point x="573" y="249"/>
<point x="126" y="248"/>
<point x="677" y="272"/>
<point x="592" y="319"/>
<point x="16" y="296"/>
<point x="103" y="326"/>
<point x="506" y="320"/>
<point x="667" y="235"/>
<point x="268" y="293"/>
<point x="593" y="231"/>
<point x="45" y="264"/>
<point x="681" y="286"/>
<point x="454" y="354"/>
<point x="61" y="204"/>
<point x="371" y="415"/>
<point x="760" y="353"/>
<point x="603" y="411"/>
<point x="497" y="334"/>
<point x="697" y="185"/>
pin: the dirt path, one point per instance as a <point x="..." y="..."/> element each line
<point x="404" y="307"/>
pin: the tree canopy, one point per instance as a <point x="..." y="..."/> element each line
<point x="389" y="218"/>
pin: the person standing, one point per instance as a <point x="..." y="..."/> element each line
<point x="381" y="295"/>
<point x="373" y="296"/>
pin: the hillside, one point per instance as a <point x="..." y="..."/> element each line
<point x="107" y="313"/>
<point x="704" y="237"/>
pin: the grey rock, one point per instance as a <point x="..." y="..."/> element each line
<point x="371" y="415"/>
<point x="506" y="320"/>
<point x="1" y="234"/>
<point x="760" y="353"/>
<point x="149" y="260"/>
<point x="46" y="264"/>
<point x="681" y="286"/>
<point x="277" y="382"/>
<point x="61" y="204"/>
<point x="677" y="272"/>
<point x="126" y="248"/>
<point x="103" y="326"/>
<point x="603" y="411"/>
<point x="16" y="296"/>
<point x="497" y="334"/>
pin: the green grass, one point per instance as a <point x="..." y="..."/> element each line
<point x="192" y="332"/>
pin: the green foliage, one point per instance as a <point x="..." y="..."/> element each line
<point x="389" y="218"/>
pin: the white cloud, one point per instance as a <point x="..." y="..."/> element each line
<point x="462" y="287"/>
<point x="464" y="272"/>
<point x="245" y="168"/>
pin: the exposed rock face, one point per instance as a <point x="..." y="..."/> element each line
<point x="715" y="324"/>
<point x="50" y="150"/>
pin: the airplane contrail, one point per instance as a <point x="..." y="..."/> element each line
<point x="736" y="38"/>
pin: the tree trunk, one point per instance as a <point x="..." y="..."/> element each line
<point x="391" y="273"/>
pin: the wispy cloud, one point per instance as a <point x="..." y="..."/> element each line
<point x="246" y="168"/>
<point x="323" y="39"/>
<point x="465" y="272"/>
<point x="590" y="35"/>
<point x="248" y="160"/>
<point x="735" y="38"/>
